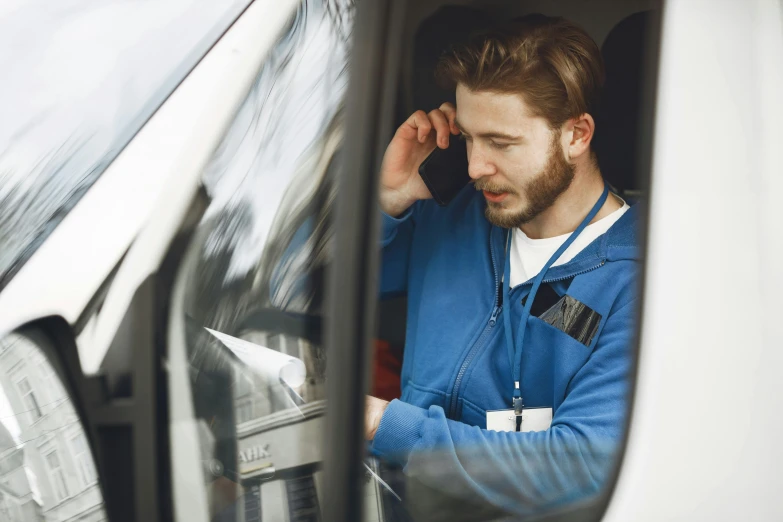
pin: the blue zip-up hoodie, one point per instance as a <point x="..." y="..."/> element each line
<point x="449" y="261"/>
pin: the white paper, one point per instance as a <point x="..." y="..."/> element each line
<point x="273" y="365"/>
<point x="533" y="419"/>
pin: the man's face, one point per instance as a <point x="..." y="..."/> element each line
<point x="515" y="158"/>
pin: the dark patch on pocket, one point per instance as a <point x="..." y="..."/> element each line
<point x="574" y="318"/>
<point x="545" y="299"/>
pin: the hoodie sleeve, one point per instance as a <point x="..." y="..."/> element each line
<point x="523" y="472"/>
<point x="396" y="237"/>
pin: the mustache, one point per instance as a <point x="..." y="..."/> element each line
<point x="485" y="184"/>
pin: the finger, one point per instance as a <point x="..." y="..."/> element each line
<point x="370" y="424"/>
<point x="421" y="124"/>
<point x="441" y="125"/>
<point x="451" y="114"/>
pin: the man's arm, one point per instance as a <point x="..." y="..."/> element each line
<point x="522" y="472"/>
<point x="396" y="238"/>
<point x="401" y="187"/>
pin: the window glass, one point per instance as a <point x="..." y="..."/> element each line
<point x="57" y="476"/>
<point x="83" y="459"/>
<point x="556" y="334"/>
<point x="29" y="399"/>
<point x="255" y="287"/>
<point x="80" y="77"/>
<point x="46" y="465"/>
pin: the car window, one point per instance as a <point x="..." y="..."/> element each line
<point x="46" y="466"/>
<point x="80" y="78"/>
<point x="254" y="287"/>
<point x="508" y="396"/>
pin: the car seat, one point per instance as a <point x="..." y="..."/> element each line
<point x="618" y="123"/>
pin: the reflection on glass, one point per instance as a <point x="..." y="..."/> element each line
<point x="254" y="298"/>
<point x="46" y="468"/>
<point x="80" y="77"/>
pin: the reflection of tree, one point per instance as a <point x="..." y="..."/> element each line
<point x="79" y="80"/>
<point x="342" y="12"/>
<point x="289" y="276"/>
<point x="298" y="249"/>
<point x="266" y="234"/>
<point x="263" y="245"/>
<point x="33" y="203"/>
<point x="296" y="252"/>
<point x="265" y="240"/>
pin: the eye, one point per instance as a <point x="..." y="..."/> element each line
<point x="500" y="146"/>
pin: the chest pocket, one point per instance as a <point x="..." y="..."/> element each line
<point x="566" y="314"/>
<point x="549" y="363"/>
<point x="560" y="332"/>
<point x="574" y="318"/>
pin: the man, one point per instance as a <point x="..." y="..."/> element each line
<point x="521" y="292"/>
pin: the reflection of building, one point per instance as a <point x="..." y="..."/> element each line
<point x="55" y="450"/>
<point x="280" y="441"/>
<point x="16" y="496"/>
<point x="279" y="457"/>
<point x="280" y="467"/>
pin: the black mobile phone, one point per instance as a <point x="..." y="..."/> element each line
<point x="445" y="171"/>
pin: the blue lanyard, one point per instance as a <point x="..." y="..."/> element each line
<point x="515" y="351"/>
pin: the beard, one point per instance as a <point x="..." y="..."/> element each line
<point x="541" y="192"/>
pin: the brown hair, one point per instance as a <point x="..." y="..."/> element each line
<point x="551" y="62"/>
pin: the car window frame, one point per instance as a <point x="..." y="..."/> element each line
<point x="305" y="325"/>
<point x="352" y="279"/>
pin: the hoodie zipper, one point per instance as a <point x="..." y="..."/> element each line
<point x="469" y="358"/>
<point x="493" y="319"/>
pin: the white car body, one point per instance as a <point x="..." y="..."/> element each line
<point x="703" y="440"/>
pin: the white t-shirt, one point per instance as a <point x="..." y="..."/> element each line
<point x="528" y="256"/>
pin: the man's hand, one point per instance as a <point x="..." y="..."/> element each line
<point x="373" y="412"/>
<point x="401" y="185"/>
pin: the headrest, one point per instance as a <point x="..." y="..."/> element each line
<point x="449" y="25"/>
<point x="617" y="124"/>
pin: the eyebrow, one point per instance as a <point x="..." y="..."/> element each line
<point x="500" y="135"/>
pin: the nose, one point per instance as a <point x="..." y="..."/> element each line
<point x="479" y="164"/>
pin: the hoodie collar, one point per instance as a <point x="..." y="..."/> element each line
<point x="620" y="242"/>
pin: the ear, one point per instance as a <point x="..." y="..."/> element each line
<point x="581" y="130"/>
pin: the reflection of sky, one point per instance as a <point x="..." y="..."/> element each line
<point x="297" y="94"/>
<point x="78" y="78"/>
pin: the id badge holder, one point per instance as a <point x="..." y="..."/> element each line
<point x="533" y="419"/>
